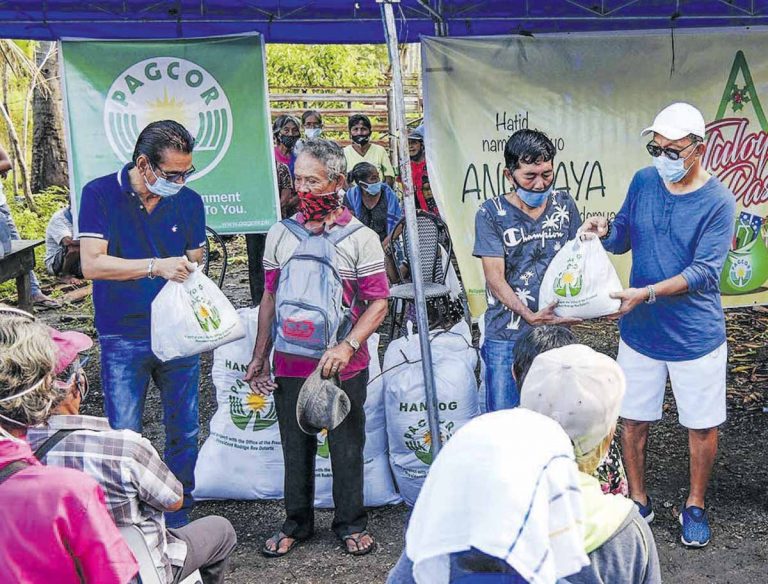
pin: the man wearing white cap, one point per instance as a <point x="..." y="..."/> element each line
<point x="678" y="221"/>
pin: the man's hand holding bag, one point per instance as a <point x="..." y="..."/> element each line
<point x="192" y="317"/>
<point x="581" y="279"/>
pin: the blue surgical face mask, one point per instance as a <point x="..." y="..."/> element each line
<point x="533" y="198"/>
<point x="372" y="189"/>
<point x="312" y="133"/>
<point x="163" y="187"/>
<point x="671" y="171"/>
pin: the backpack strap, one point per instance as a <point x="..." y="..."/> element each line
<point x="338" y="235"/>
<point x="52" y="441"/>
<point x="11" y="469"/>
<point x="299" y="231"/>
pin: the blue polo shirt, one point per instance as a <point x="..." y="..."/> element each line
<point x="111" y="211"/>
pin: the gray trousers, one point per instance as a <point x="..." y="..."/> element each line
<point x="210" y="542"/>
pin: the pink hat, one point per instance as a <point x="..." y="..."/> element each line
<point x="68" y="345"/>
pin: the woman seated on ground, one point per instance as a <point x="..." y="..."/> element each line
<point x="498" y="499"/>
<point x="582" y="390"/>
<point x="372" y="201"/>
<point x="610" y="473"/>
<point x="55" y="525"/>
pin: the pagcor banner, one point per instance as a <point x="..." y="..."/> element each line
<point x="216" y="88"/>
<point x="593" y="94"/>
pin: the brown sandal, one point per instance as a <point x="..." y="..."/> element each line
<point x="278" y="537"/>
<point x="356" y="537"/>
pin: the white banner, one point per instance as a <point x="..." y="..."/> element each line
<point x="593" y="94"/>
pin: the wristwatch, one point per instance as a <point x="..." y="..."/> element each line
<point x="354" y="343"/>
<point x="651" y="294"/>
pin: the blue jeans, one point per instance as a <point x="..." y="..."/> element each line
<point x="500" y="388"/>
<point x="5" y="215"/>
<point x="127" y="365"/>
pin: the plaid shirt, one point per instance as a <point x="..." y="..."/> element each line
<point x="137" y="483"/>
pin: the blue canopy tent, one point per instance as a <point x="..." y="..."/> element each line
<point x="360" y="21"/>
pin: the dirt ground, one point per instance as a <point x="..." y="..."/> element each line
<point x="737" y="500"/>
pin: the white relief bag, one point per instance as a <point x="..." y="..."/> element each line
<point x="242" y="457"/>
<point x="192" y="317"/>
<point x="581" y="278"/>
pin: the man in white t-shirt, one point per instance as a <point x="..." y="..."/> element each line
<point x="62" y="251"/>
<point x="38" y="297"/>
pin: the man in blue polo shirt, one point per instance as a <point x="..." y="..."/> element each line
<point x="138" y="228"/>
<point x="678" y="221"/>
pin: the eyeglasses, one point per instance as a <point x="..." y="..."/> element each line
<point x="75" y="373"/>
<point x="655" y="150"/>
<point x="174" y="176"/>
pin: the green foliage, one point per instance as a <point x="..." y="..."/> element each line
<point x="326" y="65"/>
<point x="32" y="226"/>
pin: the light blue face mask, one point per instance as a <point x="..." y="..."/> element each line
<point x="671" y="171"/>
<point x="372" y="189"/>
<point x="313" y="133"/>
<point x="533" y="198"/>
<point x="163" y="187"/>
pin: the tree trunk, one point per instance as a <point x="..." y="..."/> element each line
<point x="11" y="151"/>
<point x="49" y="152"/>
<point x="16" y="145"/>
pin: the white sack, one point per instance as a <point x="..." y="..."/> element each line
<point x="581" y="278"/>
<point x="192" y="317"/>
<point x="242" y="457"/>
<point x="378" y="486"/>
<point x="454" y="361"/>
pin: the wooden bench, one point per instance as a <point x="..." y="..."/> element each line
<point x="17" y="265"/>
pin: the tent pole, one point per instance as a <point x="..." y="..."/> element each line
<point x="411" y="223"/>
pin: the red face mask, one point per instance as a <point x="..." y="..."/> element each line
<point x="317" y="207"/>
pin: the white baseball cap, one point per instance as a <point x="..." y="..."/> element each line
<point x="579" y="388"/>
<point x="677" y="121"/>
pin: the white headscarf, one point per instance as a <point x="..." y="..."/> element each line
<point x="507" y="485"/>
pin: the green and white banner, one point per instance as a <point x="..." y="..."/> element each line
<point x="593" y="94"/>
<point x="215" y="87"/>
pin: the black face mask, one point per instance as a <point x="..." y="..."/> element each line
<point x="361" y="140"/>
<point x="289" y="141"/>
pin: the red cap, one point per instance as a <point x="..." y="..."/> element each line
<point x="68" y="345"/>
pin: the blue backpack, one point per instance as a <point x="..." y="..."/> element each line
<point x="310" y="316"/>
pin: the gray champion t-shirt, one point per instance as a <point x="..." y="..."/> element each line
<point x="527" y="246"/>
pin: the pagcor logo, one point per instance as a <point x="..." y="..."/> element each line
<point x="164" y="88"/>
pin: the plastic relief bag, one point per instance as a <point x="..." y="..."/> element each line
<point x="581" y="278"/>
<point x="192" y="317"/>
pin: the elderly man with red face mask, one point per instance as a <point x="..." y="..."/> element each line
<point x="325" y="293"/>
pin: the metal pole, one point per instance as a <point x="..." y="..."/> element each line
<point x="398" y="100"/>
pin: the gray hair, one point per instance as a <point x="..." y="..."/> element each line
<point x="27" y="359"/>
<point x="329" y="154"/>
<point x="282" y="120"/>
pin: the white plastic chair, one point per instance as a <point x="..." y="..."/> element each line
<point x="147" y="571"/>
